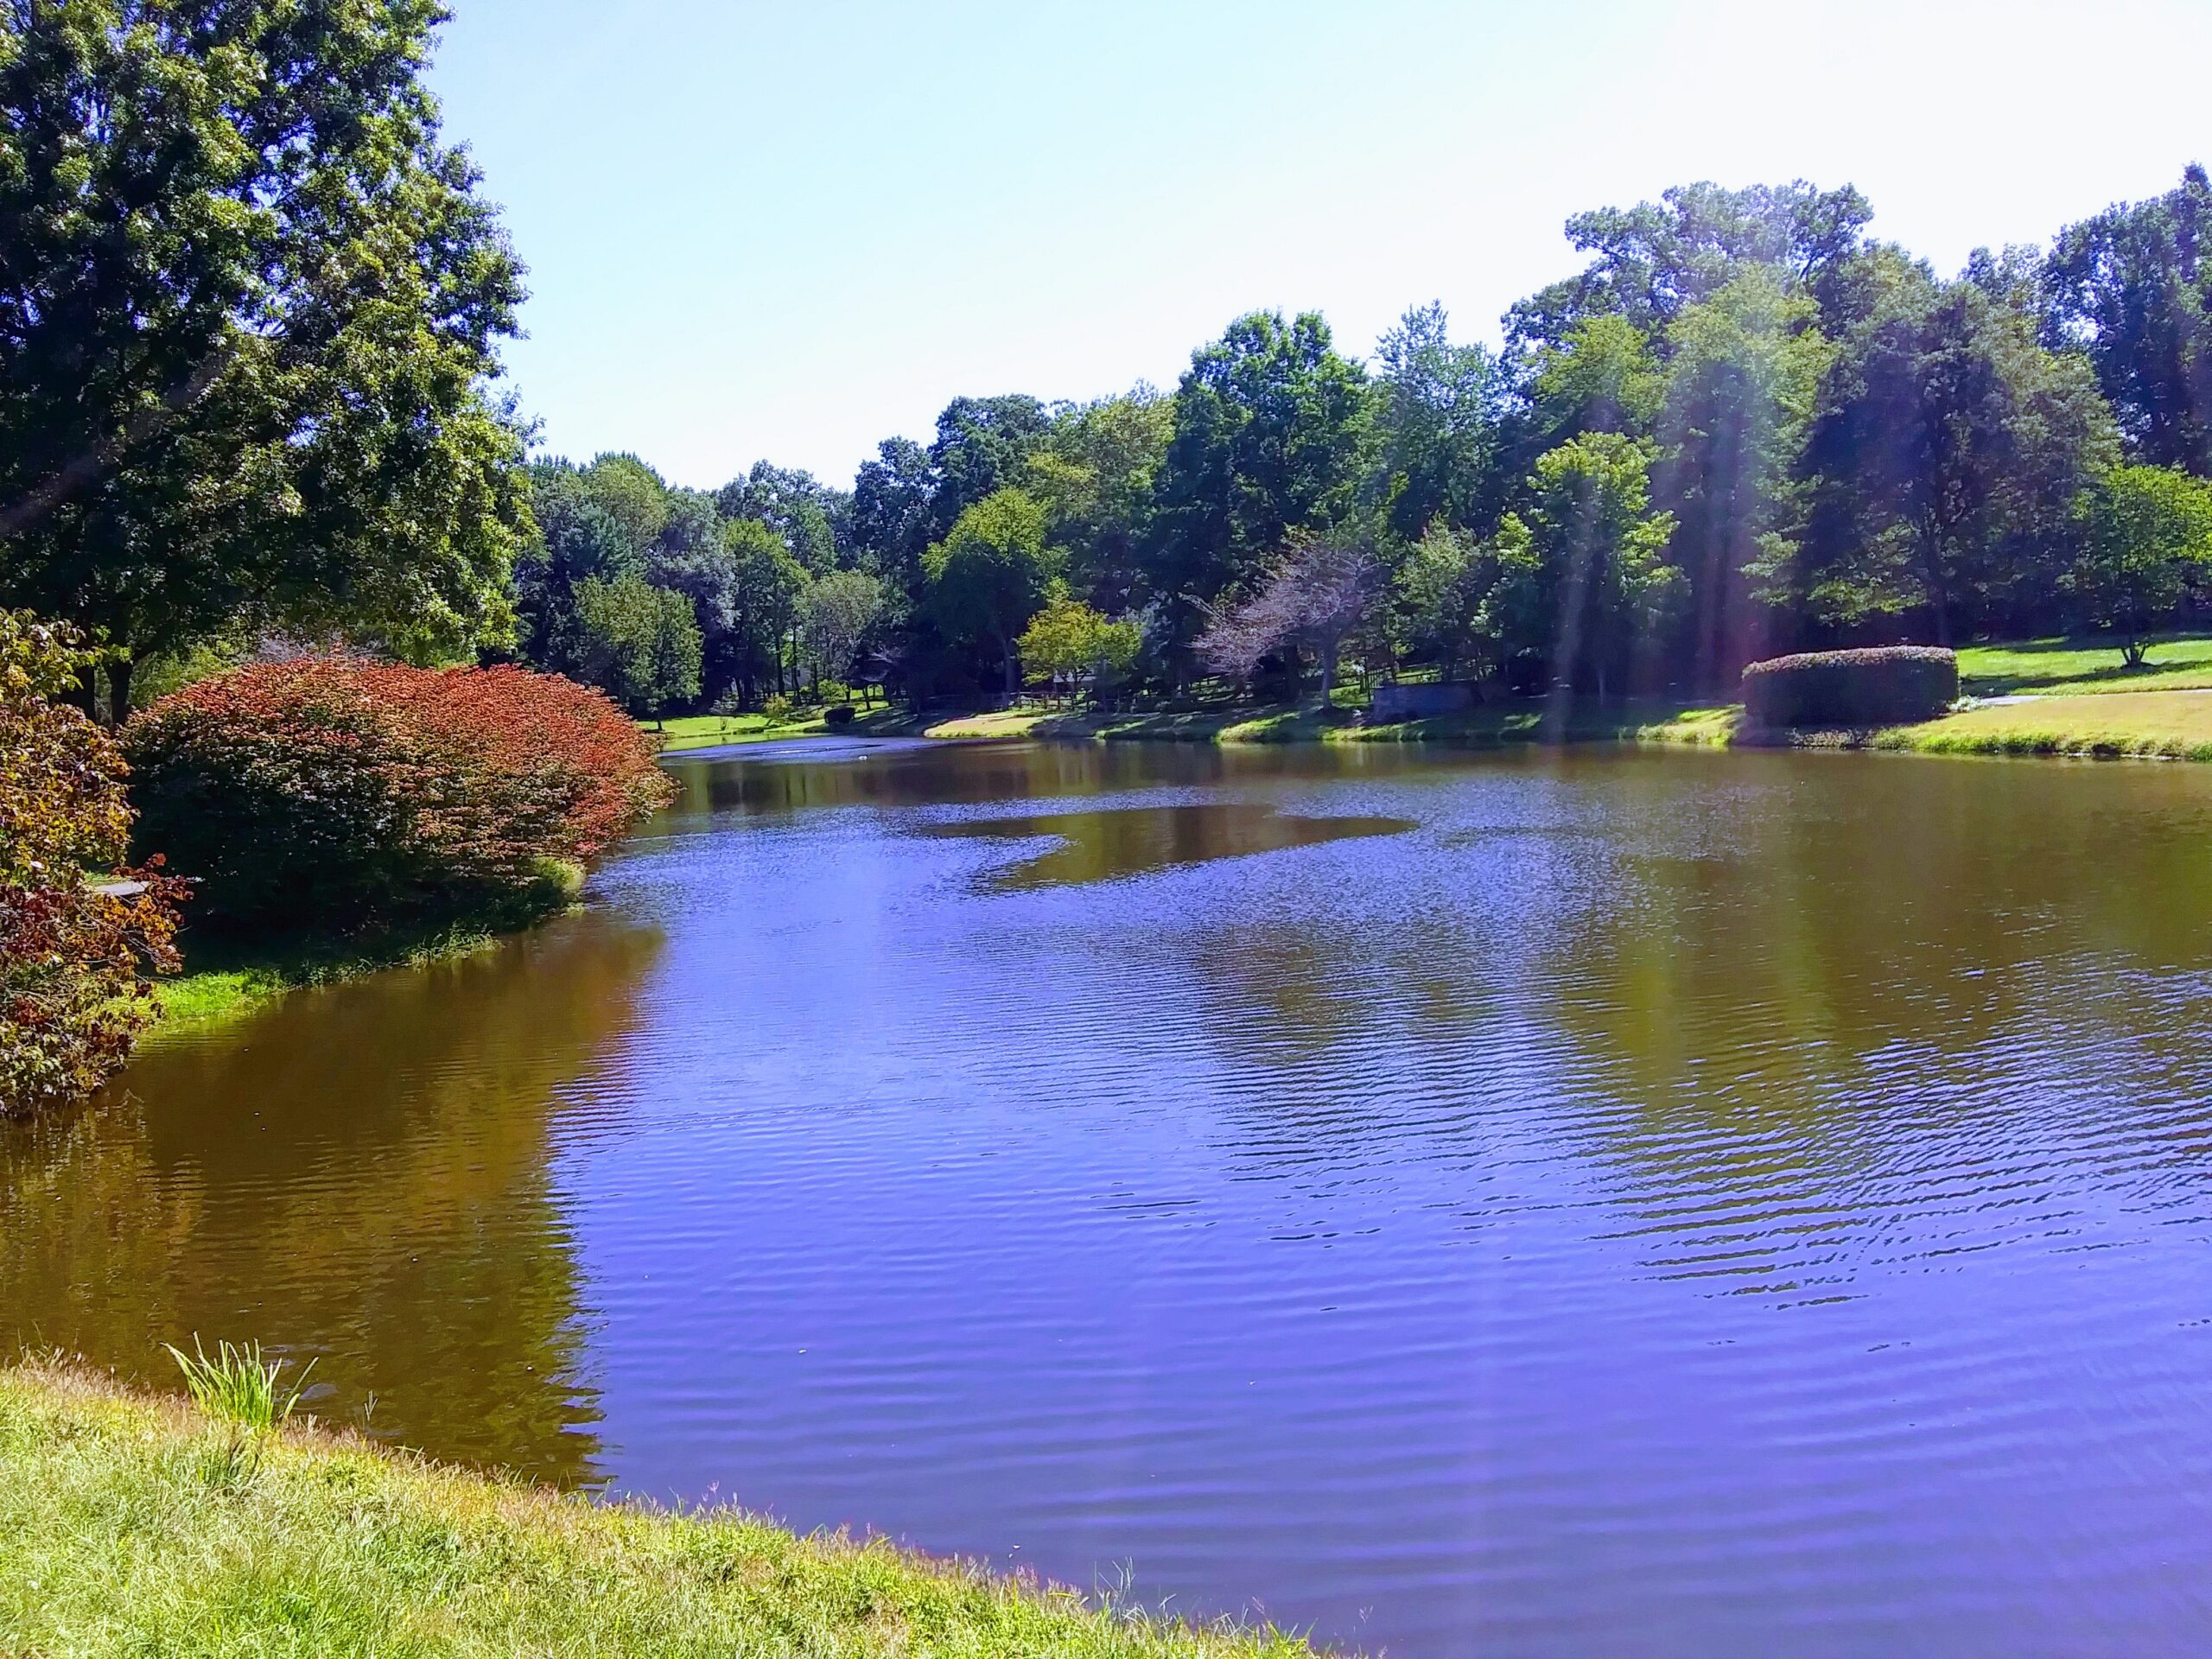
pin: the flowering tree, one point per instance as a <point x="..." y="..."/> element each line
<point x="1313" y="601"/>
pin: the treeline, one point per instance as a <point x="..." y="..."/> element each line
<point x="250" y="403"/>
<point x="1744" y="427"/>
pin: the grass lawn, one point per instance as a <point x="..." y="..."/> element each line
<point x="713" y="731"/>
<point x="2068" y="667"/>
<point x="135" y="1525"/>
<point x="2174" y="725"/>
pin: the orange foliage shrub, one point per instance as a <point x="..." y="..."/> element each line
<point x="73" y="953"/>
<point x="326" y="792"/>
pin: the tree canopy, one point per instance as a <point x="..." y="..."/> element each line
<point x="249" y="308"/>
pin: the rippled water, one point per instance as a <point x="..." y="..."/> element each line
<point x="1616" y="1204"/>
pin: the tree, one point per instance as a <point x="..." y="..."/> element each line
<point x="575" y="538"/>
<point x="2146" y="534"/>
<point x="815" y="521"/>
<point x="992" y="574"/>
<point x="765" y="588"/>
<point x="1314" y="600"/>
<point x="1944" y="462"/>
<point x="1272" y="434"/>
<point x="983" y="445"/>
<point x="249" y="308"/>
<point x="1439" y="423"/>
<point x="639" y="644"/>
<point x="1068" y="639"/>
<point x="835" y="614"/>
<point x="1655" y="258"/>
<point x="2133" y="287"/>
<point x="1444" y="593"/>
<point x="1094" y="472"/>
<point x="1742" y="379"/>
<point x="1601" y="553"/>
<point x="891" y="498"/>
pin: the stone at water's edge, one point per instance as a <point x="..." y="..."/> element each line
<point x="1422" y="701"/>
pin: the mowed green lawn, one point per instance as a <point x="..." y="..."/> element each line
<point x="2173" y="725"/>
<point x="2068" y="667"/>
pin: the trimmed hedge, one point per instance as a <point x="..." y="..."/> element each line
<point x="327" y="793"/>
<point x="1885" y="686"/>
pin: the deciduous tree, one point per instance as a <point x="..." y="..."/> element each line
<point x="249" y="308"/>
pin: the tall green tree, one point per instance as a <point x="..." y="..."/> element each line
<point x="1273" y="434"/>
<point x="1655" y="258"/>
<point x="2132" y="288"/>
<point x="835" y="613"/>
<point x="638" y="643"/>
<point x="2146" y="537"/>
<point x="1438" y="422"/>
<point x="765" y="587"/>
<point x="1945" y="459"/>
<point x="1094" y="473"/>
<point x="1742" y="381"/>
<point x="249" y="309"/>
<point x="991" y="575"/>
<point x="1600" y="554"/>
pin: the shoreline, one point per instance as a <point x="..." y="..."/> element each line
<point x="135" y="1515"/>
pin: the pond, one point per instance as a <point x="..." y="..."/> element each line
<point x="1614" y="1202"/>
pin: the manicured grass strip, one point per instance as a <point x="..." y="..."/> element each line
<point x="1492" y="723"/>
<point x="2068" y="667"/>
<point x="2172" y="725"/>
<point x="716" y="731"/>
<point x="137" y="1526"/>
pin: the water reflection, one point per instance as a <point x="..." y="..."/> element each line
<point x="1132" y="839"/>
<point x="360" y="1175"/>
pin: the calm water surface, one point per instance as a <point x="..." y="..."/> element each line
<point x="1617" y="1204"/>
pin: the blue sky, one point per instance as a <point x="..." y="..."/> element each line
<point x="786" y="231"/>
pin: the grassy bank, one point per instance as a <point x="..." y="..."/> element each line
<point x="1492" y="723"/>
<point x="135" y="1525"/>
<point x="226" y="979"/>
<point x="2163" y="725"/>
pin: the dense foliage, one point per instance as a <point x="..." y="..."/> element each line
<point x="1746" y="428"/>
<point x="72" y="950"/>
<point x="1878" y="687"/>
<point x="249" y="309"/>
<point x="325" y="793"/>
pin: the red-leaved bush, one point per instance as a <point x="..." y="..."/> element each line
<point x="328" y="792"/>
<point x="79" y="932"/>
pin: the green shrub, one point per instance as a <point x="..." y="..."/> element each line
<point x="77" y="932"/>
<point x="837" y="714"/>
<point x="323" y="794"/>
<point x="1885" y="686"/>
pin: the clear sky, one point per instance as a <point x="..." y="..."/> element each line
<point x="787" y="230"/>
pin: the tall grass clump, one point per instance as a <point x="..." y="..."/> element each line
<point x="236" y="1385"/>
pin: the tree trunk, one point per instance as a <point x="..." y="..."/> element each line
<point x="1013" y="677"/>
<point x="119" y="691"/>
